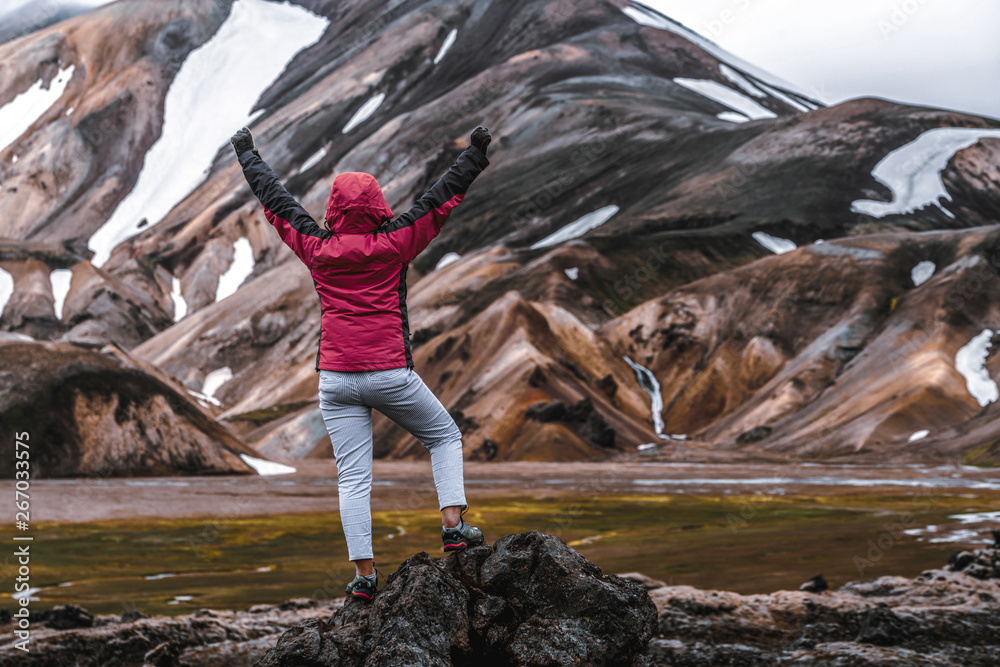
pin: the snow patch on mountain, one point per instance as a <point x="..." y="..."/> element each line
<point x="787" y="99"/>
<point x="919" y="435"/>
<point x="447" y="259"/>
<point x="648" y="16"/>
<point x="6" y="289"/>
<point x="213" y="93"/>
<point x="913" y="172"/>
<point x="774" y="244"/>
<point x="215" y="379"/>
<point x="313" y="159"/>
<point x="448" y="41"/>
<point x="726" y="96"/>
<point x="572" y="273"/>
<point x="241" y="267"/>
<point x="579" y="227"/>
<point x="364" y="113"/>
<point x="922" y="272"/>
<point x="21" y="112"/>
<point x="60" y="280"/>
<point x="971" y="363"/>
<point x="740" y="80"/>
<point x="732" y="117"/>
<point x="180" y="305"/>
<point x="266" y="468"/>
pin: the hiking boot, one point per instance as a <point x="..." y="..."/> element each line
<point x="460" y="537"/>
<point x="363" y="588"/>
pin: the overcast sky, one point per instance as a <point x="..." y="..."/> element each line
<point x="942" y="53"/>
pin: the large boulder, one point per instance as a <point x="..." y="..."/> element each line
<point x="105" y="414"/>
<point x="528" y="600"/>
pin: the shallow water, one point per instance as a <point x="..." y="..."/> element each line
<point x="742" y="541"/>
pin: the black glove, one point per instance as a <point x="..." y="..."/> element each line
<point x="242" y="141"/>
<point x="481" y="138"/>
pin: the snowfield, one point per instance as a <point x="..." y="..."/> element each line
<point x="241" y="267"/>
<point x="364" y="113"/>
<point x="919" y="435"/>
<point x="573" y="273"/>
<point x="21" y="112"/>
<point x="913" y="172"/>
<point x="726" y="96"/>
<point x="971" y="361"/>
<point x="773" y="243"/>
<point x="580" y="227"/>
<point x="60" y="280"/>
<point x="211" y="97"/>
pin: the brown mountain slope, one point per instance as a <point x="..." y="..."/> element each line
<point x="589" y="111"/>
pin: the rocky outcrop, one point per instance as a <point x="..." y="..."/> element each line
<point x="89" y="413"/>
<point x="948" y="616"/>
<point x="206" y="638"/>
<point x="530" y="600"/>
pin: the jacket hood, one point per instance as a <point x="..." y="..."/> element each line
<point x="356" y="204"/>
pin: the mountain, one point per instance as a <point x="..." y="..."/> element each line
<point x="616" y="259"/>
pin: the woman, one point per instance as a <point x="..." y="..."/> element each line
<point x="358" y="263"/>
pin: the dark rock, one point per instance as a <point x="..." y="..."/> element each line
<point x="161" y="656"/>
<point x="547" y="412"/>
<point x="881" y="626"/>
<point x="464" y="422"/>
<point x="132" y="615"/>
<point x="486" y="451"/>
<point x="608" y="385"/>
<point x="756" y="434"/>
<point x="595" y="427"/>
<point x="537" y="377"/>
<point x="982" y="563"/>
<point x="601" y="433"/>
<point x="575" y="369"/>
<point x="64" y="617"/>
<point x="817" y="633"/>
<point x="817" y="584"/>
<point x="216" y="639"/>
<point x="647" y="582"/>
<point x="531" y="600"/>
<point x="421" y="336"/>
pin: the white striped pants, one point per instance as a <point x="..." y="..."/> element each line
<point x="346" y="400"/>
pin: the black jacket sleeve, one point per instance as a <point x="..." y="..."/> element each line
<point x="415" y="229"/>
<point x="295" y="226"/>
